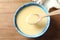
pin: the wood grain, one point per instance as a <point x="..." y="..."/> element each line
<point x="7" y="9"/>
<point x="7" y="30"/>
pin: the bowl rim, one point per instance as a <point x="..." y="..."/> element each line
<point x="23" y="6"/>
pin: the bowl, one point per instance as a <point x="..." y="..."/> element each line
<point x="26" y="5"/>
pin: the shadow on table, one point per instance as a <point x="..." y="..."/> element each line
<point x="53" y="33"/>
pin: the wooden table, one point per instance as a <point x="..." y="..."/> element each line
<point x="7" y="30"/>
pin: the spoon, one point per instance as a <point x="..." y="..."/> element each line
<point x="40" y="17"/>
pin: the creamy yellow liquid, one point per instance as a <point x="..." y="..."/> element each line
<point x="28" y="28"/>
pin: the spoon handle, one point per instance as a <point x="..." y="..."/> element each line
<point x="57" y="12"/>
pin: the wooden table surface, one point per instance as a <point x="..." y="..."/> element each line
<point x="7" y="29"/>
